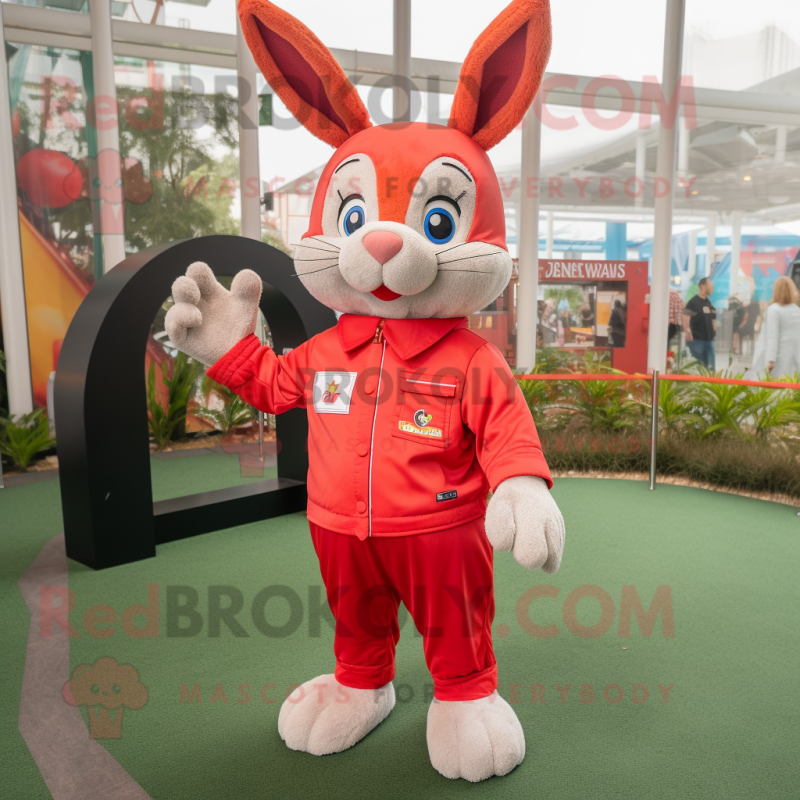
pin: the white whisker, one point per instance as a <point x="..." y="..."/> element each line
<point x="318" y="249"/>
<point x="312" y="271"/>
<point x="466" y="258"/>
<point x="302" y="243"/>
<point x="471" y="271"/>
<point x="454" y="247"/>
<point x="322" y="241"/>
<point x="330" y="258"/>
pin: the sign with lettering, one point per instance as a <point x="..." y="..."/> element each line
<point x="582" y="270"/>
<point x="600" y="284"/>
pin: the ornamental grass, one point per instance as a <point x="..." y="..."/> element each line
<point x="738" y="437"/>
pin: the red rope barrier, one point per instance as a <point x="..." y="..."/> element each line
<point x="637" y="377"/>
<point x="729" y="381"/>
<point x="582" y="377"/>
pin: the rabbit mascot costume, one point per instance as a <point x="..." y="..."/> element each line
<point x="413" y="418"/>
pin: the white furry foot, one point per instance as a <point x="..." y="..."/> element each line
<point x="322" y="716"/>
<point x="474" y="739"/>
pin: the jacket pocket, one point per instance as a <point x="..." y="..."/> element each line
<point x="425" y="407"/>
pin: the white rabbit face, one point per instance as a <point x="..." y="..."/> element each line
<point x="422" y="267"/>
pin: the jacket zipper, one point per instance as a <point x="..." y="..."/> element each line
<point x="376" y="339"/>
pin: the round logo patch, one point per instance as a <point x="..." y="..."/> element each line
<point x="421" y="419"/>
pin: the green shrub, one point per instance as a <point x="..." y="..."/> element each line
<point x="182" y="384"/>
<point x="594" y="451"/>
<point x="727" y="435"/>
<point x="235" y="413"/>
<point x="552" y="360"/>
<point x="677" y="411"/>
<point x="21" y="438"/>
<point x="753" y="466"/>
<point x="719" y="405"/>
<point x="542" y="399"/>
<point x="735" y="463"/>
<point x="167" y="424"/>
<point x="607" y="406"/>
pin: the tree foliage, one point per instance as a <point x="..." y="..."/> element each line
<point x="193" y="177"/>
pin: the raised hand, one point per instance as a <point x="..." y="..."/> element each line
<point x="207" y="320"/>
<point x="523" y="517"/>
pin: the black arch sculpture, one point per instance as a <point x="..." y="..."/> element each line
<point x="106" y="491"/>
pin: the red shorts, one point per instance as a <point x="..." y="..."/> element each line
<point x="444" y="579"/>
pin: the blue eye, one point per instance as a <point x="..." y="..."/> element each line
<point x="354" y="220"/>
<point x="352" y="216"/>
<point x="440" y="226"/>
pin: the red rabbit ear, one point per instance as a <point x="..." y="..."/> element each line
<point x="302" y="72"/>
<point x="502" y="73"/>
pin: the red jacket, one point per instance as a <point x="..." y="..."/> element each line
<point x="411" y="422"/>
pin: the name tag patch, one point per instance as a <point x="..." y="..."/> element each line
<point x="451" y="495"/>
<point x="410" y="427"/>
<point x="333" y="392"/>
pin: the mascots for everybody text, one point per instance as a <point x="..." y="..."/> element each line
<point x="413" y="418"/>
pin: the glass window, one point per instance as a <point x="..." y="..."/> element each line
<point x="621" y="37"/>
<point x="742" y="164"/>
<point x="179" y="144"/>
<point x="736" y="45"/>
<point x="179" y="141"/>
<point x="363" y="25"/>
<point x="331" y="22"/>
<point x="179" y="149"/>
<point x="204" y="15"/>
<point x="202" y="436"/>
<point x="49" y="89"/>
<point x="79" y="6"/>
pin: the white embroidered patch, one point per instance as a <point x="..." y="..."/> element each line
<point x="333" y="392"/>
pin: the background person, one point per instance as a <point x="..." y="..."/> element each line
<point x="783" y="329"/>
<point x="616" y="325"/>
<point x="700" y="324"/>
<point x="675" y="308"/>
<point x="747" y="327"/>
<point x="739" y="316"/>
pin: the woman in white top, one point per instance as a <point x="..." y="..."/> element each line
<point x="783" y="329"/>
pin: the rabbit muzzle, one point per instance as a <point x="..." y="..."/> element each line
<point x="388" y="260"/>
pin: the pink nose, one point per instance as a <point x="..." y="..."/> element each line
<point x="383" y="245"/>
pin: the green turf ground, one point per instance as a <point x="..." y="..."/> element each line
<point x="731" y="728"/>
<point x="200" y="473"/>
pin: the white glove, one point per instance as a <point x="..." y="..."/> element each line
<point x="207" y="320"/>
<point x="523" y="517"/>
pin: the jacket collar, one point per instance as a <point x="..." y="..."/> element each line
<point x="407" y="337"/>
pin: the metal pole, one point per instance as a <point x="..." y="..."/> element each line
<point x="684" y="142"/>
<point x="109" y="167"/>
<point x="249" y="176"/>
<point x="401" y="94"/>
<point x="641" y="171"/>
<point x="12" y="283"/>
<point x="665" y="184"/>
<point x="528" y="238"/>
<point x="781" y="134"/>
<point x="87" y="70"/>
<point x="736" y="252"/>
<point x="692" y="265"/>
<point x="654" y="429"/>
<point x="711" y="243"/>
